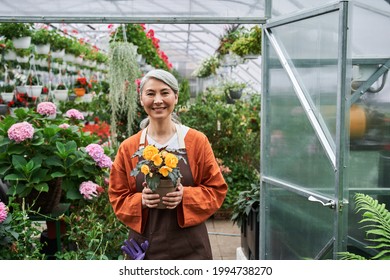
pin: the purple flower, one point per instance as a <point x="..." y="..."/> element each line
<point x="88" y="189"/>
<point x="73" y="113"/>
<point x="3" y="212"/>
<point x="47" y="108"/>
<point x="20" y="132"/>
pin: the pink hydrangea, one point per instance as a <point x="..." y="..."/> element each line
<point x="47" y="108"/>
<point x="89" y="189"/>
<point x="20" y="132"/>
<point x="64" y="126"/>
<point x="3" y="212"/>
<point x="97" y="153"/>
<point x="75" y="114"/>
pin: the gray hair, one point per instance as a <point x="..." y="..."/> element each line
<point x="163" y="76"/>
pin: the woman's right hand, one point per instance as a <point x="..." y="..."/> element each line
<point x="149" y="199"/>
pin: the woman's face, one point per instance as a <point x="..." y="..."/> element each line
<point x="158" y="99"/>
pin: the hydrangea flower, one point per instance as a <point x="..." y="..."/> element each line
<point x="64" y="126"/>
<point x="47" y="108"/>
<point x="20" y="132"/>
<point x="97" y="153"/>
<point x="3" y="212"/>
<point x="75" y="114"/>
<point x="89" y="189"/>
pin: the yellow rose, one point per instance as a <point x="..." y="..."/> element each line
<point x="145" y="169"/>
<point x="165" y="170"/>
<point x="171" y="160"/>
<point x="157" y="160"/>
<point x="149" y="152"/>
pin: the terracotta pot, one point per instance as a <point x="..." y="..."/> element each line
<point x="79" y="91"/>
<point x="163" y="188"/>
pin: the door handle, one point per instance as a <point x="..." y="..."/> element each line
<point x="331" y="203"/>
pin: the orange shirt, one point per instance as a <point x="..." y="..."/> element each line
<point x="199" y="201"/>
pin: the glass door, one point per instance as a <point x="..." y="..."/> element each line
<point x="305" y="68"/>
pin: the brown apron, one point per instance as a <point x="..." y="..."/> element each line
<point x="168" y="241"/>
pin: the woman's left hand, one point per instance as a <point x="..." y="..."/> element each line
<point x="173" y="199"/>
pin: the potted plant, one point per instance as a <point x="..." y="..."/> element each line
<point x="45" y="154"/>
<point x="81" y="86"/>
<point x="233" y="90"/>
<point x="208" y="67"/>
<point x="41" y="38"/>
<point x="247" y="216"/>
<point x="33" y="87"/>
<point x="61" y="92"/>
<point x="248" y="45"/>
<point x="7" y="92"/>
<point x="19" y="33"/>
<point x="160" y="167"/>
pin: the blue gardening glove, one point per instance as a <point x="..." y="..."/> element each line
<point x="133" y="250"/>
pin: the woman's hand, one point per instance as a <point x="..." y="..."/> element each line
<point x="173" y="199"/>
<point x="149" y="199"/>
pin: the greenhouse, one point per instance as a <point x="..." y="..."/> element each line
<point x="291" y="95"/>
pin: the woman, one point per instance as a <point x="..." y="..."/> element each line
<point x="178" y="232"/>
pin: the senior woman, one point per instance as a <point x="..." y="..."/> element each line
<point x="179" y="231"/>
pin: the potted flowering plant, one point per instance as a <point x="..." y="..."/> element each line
<point x="160" y="167"/>
<point x="81" y="86"/>
<point x="43" y="153"/>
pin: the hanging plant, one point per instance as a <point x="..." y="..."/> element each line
<point x="124" y="70"/>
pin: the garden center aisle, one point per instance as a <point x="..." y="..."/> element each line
<point x="224" y="238"/>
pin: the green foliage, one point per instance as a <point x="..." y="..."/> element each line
<point x="41" y="37"/>
<point x="19" y="235"/>
<point x="377" y="224"/>
<point x="15" y="30"/>
<point x="53" y="152"/>
<point x="246" y="201"/>
<point x="124" y="71"/>
<point x="94" y="232"/>
<point x="249" y="42"/>
<point x="208" y="67"/>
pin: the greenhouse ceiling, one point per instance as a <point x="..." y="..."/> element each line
<point x="188" y="30"/>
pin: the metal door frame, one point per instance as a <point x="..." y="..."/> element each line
<point x="338" y="154"/>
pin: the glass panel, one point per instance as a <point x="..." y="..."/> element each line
<point x="369" y="162"/>
<point x="294" y="153"/>
<point x="295" y="227"/>
<point x="315" y="61"/>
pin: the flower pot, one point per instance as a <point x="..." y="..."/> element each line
<point x="34" y="91"/>
<point x="22" y="42"/>
<point x="21" y="89"/>
<point x="79" y="91"/>
<point x="163" y="188"/>
<point x="58" y="54"/>
<point x="7" y="96"/>
<point x="3" y="109"/>
<point x="42" y="49"/>
<point x="88" y="97"/>
<point x="60" y="94"/>
<point x="22" y="59"/>
<point x="10" y="55"/>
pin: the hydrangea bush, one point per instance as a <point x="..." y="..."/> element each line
<point x="37" y="146"/>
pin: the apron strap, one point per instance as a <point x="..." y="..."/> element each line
<point x="143" y="138"/>
<point x="179" y="132"/>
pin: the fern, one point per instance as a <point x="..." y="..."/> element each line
<point x="377" y="222"/>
